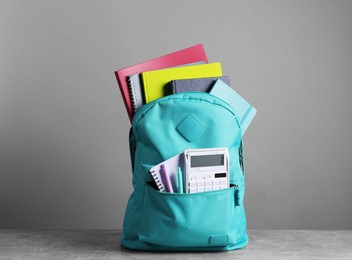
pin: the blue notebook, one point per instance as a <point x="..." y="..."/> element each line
<point x="244" y="110"/>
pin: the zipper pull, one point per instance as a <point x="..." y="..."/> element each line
<point x="237" y="195"/>
<point x="132" y="144"/>
<point x="240" y="156"/>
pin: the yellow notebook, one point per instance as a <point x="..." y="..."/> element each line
<point x="154" y="81"/>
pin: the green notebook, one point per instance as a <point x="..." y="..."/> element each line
<point x="154" y="81"/>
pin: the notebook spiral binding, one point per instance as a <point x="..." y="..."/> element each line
<point x="157" y="181"/>
<point x="132" y="93"/>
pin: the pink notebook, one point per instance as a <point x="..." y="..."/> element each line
<point x="189" y="55"/>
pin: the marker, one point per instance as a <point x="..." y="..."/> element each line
<point x="165" y="179"/>
<point x="179" y="180"/>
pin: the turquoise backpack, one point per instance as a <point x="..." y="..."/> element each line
<point x="205" y="221"/>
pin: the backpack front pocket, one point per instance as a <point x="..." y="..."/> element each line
<point x="203" y="219"/>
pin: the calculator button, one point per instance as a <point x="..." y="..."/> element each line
<point x="208" y="182"/>
<point x="223" y="181"/>
<point x="216" y="187"/>
<point x="192" y="183"/>
<point x="192" y="190"/>
<point x="208" y="188"/>
<point x="200" y="189"/>
<point x="200" y="183"/>
<point x="223" y="187"/>
<point x="215" y="182"/>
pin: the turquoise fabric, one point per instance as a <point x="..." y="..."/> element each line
<point x="206" y="221"/>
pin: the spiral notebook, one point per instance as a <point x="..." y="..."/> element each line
<point x="135" y="87"/>
<point x="192" y="54"/>
<point x="154" y="82"/>
<point x="135" y="91"/>
<point x="171" y="167"/>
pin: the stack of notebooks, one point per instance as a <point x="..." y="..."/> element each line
<point x="181" y="71"/>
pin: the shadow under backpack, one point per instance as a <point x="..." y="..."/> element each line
<point x="204" y="221"/>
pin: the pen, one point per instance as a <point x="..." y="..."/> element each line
<point x="179" y="180"/>
<point x="165" y="179"/>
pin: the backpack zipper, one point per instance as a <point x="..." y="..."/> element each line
<point x="132" y="142"/>
<point x="237" y="199"/>
<point x="240" y="156"/>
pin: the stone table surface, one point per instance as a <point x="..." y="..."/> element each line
<point x="104" y="244"/>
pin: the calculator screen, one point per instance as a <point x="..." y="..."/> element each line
<point x="207" y="160"/>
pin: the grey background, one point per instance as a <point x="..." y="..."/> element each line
<point x="64" y="157"/>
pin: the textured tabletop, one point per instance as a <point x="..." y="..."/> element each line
<point x="104" y="244"/>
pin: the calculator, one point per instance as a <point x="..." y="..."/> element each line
<point x="206" y="169"/>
